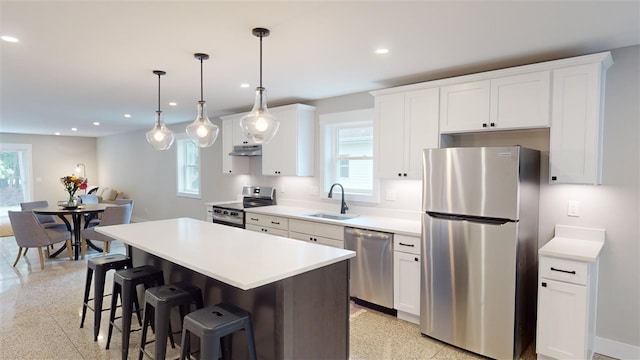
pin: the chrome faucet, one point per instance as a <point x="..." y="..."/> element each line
<point x="343" y="205"/>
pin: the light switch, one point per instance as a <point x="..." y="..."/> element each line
<point x="573" y="208"/>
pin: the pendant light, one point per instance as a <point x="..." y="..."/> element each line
<point x="160" y="137"/>
<point x="202" y="131"/>
<point x="259" y="126"/>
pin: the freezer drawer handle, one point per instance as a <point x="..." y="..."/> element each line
<point x="564" y="271"/>
<point x="410" y="245"/>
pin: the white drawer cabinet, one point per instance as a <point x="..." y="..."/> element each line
<point x="327" y="234"/>
<point x="406" y="277"/>
<point x="274" y="225"/>
<point x="567" y="295"/>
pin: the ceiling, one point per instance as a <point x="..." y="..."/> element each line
<point x="80" y="62"/>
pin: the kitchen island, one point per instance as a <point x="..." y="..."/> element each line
<point x="297" y="292"/>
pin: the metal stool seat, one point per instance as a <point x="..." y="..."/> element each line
<point x="211" y="325"/>
<point x="100" y="266"/>
<point x="158" y="303"/>
<point x="124" y="287"/>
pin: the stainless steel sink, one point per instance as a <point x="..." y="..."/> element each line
<point x="332" y="216"/>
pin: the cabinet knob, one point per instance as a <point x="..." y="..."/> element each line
<point x="554" y="178"/>
<point x="416" y="259"/>
<point x="544" y="284"/>
<point x="399" y="174"/>
<point x="493" y="124"/>
<point x="484" y="125"/>
<point x="405" y="174"/>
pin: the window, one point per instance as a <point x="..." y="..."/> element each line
<point x="188" y="168"/>
<point x="15" y="176"/>
<point x="348" y="153"/>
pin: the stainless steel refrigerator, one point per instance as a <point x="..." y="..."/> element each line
<point x="479" y="248"/>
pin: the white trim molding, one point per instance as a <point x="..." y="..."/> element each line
<point x="615" y="349"/>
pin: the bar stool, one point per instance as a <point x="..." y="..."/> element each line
<point x="158" y="303"/>
<point x="100" y="266"/>
<point x="213" y="323"/>
<point x="124" y="286"/>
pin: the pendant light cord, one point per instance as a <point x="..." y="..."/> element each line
<point x="260" y="60"/>
<point x="201" y="81"/>
<point x="158" y="92"/>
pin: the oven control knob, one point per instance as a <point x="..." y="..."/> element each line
<point x="233" y="213"/>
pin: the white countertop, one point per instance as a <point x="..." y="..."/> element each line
<point x="238" y="257"/>
<point x="388" y="224"/>
<point x="574" y="243"/>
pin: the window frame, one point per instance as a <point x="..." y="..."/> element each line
<point x="181" y="168"/>
<point x="328" y="124"/>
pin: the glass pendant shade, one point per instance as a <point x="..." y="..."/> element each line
<point x="160" y="137"/>
<point x="259" y="126"/>
<point x="202" y="131"/>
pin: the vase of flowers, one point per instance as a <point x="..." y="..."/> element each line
<point x="71" y="185"/>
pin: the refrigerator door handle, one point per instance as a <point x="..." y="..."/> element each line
<point x="476" y="219"/>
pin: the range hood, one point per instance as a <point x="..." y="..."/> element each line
<point x="246" y="150"/>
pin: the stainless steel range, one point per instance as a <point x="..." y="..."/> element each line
<point x="232" y="214"/>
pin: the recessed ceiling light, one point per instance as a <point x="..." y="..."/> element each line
<point x="382" y="51"/>
<point x="127" y="115"/>
<point x="244" y="85"/>
<point x="8" y="38"/>
<point x="56" y="133"/>
<point x="95" y="123"/>
<point x="173" y="104"/>
<point x="74" y="129"/>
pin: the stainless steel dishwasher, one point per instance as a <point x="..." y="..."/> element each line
<point x="371" y="271"/>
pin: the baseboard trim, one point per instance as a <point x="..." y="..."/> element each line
<point x="615" y="349"/>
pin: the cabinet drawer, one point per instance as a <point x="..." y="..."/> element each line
<point x="564" y="270"/>
<point x="406" y="244"/>
<point x="267" y="221"/>
<point x="267" y="230"/>
<point x="317" y="239"/>
<point x="317" y="229"/>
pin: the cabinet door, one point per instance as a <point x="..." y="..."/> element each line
<point x="521" y="101"/>
<point x="562" y="320"/>
<point x="420" y="129"/>
<point x="291" y="151"/>
<point x="465" y="107"/>
<point x="230" y="134"/>
<point x="406" y="274"/>
<point x="575" y="149"/>
<point x="390" y="135"/>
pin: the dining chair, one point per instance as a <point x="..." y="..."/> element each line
<point x="47" y="221"/>
<point x="29" y="233"/>
<point x="113" y="215"/>
<point x="90" y="219"/>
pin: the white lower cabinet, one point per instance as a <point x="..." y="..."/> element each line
<point x="567" y="297"/>
<point x="273" y="225"/>
<point x="327" y="234"/>
<point x="406" y="277"/>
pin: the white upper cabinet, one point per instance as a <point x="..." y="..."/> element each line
<point x="406" y="123"/>
<point x="291" y="151"/>
<point x="231" y="136"/>
<point x="504" y="103"/>
<point x="465" y="107"/>
<point x="521" y="101"/>
<point x="575" y="149"/>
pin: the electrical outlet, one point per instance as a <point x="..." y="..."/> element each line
<point x="390" y="195"/>
<point x="573" y="208"/>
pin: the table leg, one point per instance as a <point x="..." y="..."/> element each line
<point x="66" y="222"/>
<point x="77" y="222"/>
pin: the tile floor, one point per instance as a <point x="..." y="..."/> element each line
<point x="40" y="316"/>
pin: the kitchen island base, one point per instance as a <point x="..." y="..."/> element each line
<point x="305" y="316"/>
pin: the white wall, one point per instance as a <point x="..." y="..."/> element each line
<point x="128" y="163"/>
<point x="54" y="157"/>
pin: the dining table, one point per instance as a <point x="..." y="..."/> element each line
<point x="77" y="214"/>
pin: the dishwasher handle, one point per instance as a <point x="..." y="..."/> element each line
<point x="378" y="235"/>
